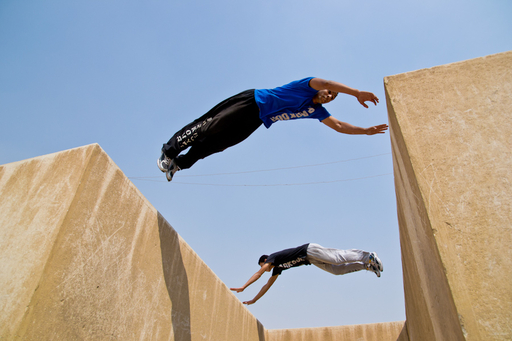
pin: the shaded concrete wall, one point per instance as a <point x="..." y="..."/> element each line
<point x="392" y="331"/>
<point x="83" y="255"/>
<point x="451" y="135"/>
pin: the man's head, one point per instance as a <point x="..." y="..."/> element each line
<point x="262" y="261"/>
<point x="324" y="96"/>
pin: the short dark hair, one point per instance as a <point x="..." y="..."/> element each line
<point x="262" y="259"/>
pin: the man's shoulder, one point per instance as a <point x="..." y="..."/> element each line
<point x="299" y="83"/>
<point x="304" y="82"/>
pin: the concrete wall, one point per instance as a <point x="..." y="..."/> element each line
<point x="84" y="256"/>
<point x="392" y="331"/>
<point x="451" y="135"/>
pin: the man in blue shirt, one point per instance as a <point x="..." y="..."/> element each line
<point x="234" y="119"/>
<point x="335" y="261"/>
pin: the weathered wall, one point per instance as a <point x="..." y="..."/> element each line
<point x="392" y="331"/>
<point x="34" y="199"/>
<point x="85" y="256"/>
<point x="451" y="134"/>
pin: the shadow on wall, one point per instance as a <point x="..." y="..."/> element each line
<point x="175" y="279"/>
<point x="404" y="334"/>
<point x="261" y="332"/>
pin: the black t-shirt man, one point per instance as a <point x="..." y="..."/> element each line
<point x="335" y="261"/>
<point x="289" y="258"/>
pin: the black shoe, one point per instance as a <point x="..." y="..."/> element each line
<point x="173" y="168"/>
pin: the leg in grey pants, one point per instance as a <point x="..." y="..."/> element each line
<point x="337" y="262"/>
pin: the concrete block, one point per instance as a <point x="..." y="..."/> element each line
<point x="85" y="256"/>
<point x="451" y="135"/>
<point x="391" y="331"/>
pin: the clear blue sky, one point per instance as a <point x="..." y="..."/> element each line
<point x="128" y="74"/>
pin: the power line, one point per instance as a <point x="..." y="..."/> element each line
<point x="278" y="185"/>
<point x="152" y="178"/>
<point x="146" y="178"/>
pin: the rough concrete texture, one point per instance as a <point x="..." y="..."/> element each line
<point x="392" y="331"/>
<point x="451" y="134"/>
<point x="84" y="256"/>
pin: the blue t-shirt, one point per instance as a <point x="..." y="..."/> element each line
<point x="289" y="102"/>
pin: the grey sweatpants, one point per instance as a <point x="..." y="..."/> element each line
<point x="337" y="262"/>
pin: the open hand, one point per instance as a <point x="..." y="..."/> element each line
<point x="249" y="302"/>
<point x="380" y="129"/>
<point x="237" y="289"/>
<point x="365" y="96"/>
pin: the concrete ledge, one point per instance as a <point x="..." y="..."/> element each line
<point x="392" y="331"/>
<point x="85" y="256"/>
<point x="451" y="137"/>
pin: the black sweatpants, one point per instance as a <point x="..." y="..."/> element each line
<point x="228" y="123"/>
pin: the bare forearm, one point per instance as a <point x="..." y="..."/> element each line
<point x="347" y="128"/>
<point x="254" y="278"/>
<point x="337" y="87"/>
<point x="362" y="96"/>
<point x="251" y="280"/>
<point x="344" y="127"/>
<point x="262" y="292"/>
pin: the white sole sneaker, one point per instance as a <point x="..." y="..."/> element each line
<point x="375" y="261"/>
<point x="373" y="269"/>
<point x="163" y="162"/>
<point x="173" y="168"/>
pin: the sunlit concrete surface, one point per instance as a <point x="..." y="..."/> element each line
<point x="84" y="256"/>
<point x="451" y="135"/>
<point x="391" y="331"/>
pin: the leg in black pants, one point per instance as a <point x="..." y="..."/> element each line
<point x="228" y="123"/>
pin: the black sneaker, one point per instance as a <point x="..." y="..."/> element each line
<point x="173" y="168"/>
<point x="163" y="162"/>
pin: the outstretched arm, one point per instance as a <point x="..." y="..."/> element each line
<point x="362" y="96"/>
<point x="263" y="290"/>
<point x="254" y="278"/>
<point x="347" y="128"/>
